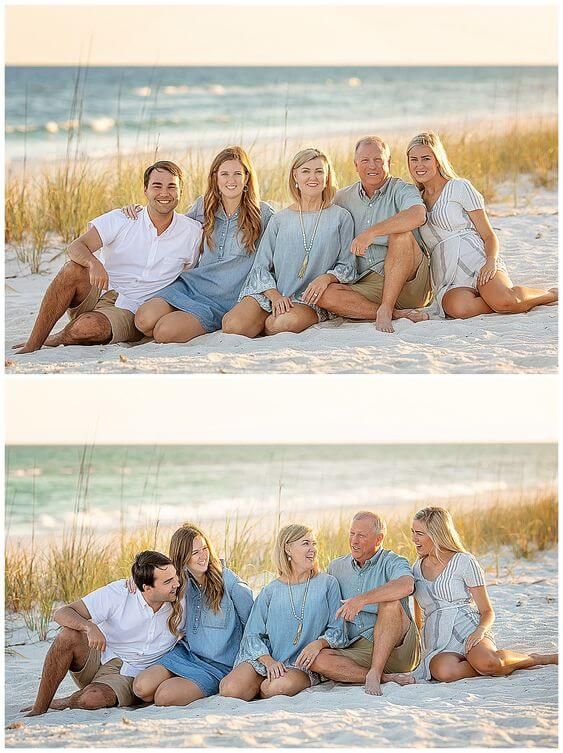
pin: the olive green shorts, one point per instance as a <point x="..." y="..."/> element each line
<point x="122" y="321"/>
<point x="107" y="674"/>
<point x="415" y="293"/>
<point x="403" y="658"/>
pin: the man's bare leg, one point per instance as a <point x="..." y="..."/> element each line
<point x="339" y="668"/>
<point x="390" y="628"/>
<point x="401" y="263"/>
<point x="68" y="289"/>
<point x="92" y="328"/>
<point x="69" y="652"/>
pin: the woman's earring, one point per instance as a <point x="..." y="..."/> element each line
<point x="297" y="185"/>
<point x="289" y="557"/>
<point x="245" y="189"/>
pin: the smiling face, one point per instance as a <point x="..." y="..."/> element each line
<point x="199" y="561"/>
<point x="421" y="540"/>
<point x="364" y="539"/>
<point x="231" y="179"/>
<point x="165" y="586"/>
<point x="373" y="165"/>
<point x="303" y="553"/>
<point x="162" y="192"/>
<point x="423" y="165"/>
<point x="311" y="178"/>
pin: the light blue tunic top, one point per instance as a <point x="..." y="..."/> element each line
<point x="271" y="627"/>
<point x="217" y="635"/>
<point x="383" y="567"/>
<point x="393" y="197"/>
<point x="281" y="253"/>
<point x="211" y="289"/>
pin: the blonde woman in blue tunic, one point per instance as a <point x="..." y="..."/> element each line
<point x="292" y="619"/>
<point x="452" y="603"/>
<point x="469" y="277"/>
<point x="233" y="219"/>
<point x="305" y="248"/>
<point x="209" y="614"/>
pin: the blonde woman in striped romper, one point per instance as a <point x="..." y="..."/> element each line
<point x="468" y="275"/>
<point x="452" y="604"/>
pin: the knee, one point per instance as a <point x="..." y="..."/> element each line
<point x="72" y="273"/>
<point x="389" y="608"/>
<point x="164" y="697"/>
<point x="143" y="689"/>
<point x="397" y="242"/>
<point x="444" y="674"/>
<point x="489" y="665"/>
<point x="231" y="324"/>
<point x="287" y="322"/>
<point x="68" y="638"/>
<point x="321" y="660"/>
<point x="163" y="332"/>
<point x="330" y="295"/>
<point x="95" y="698"/>
<point x="457" y="309"/>
<point x="145" y="320"/>
<point x="230" y="689"/>
<point x="90" y="325"/>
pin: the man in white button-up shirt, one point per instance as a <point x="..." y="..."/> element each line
<point x="109" y="636"/>
<point x="101" y="293"/>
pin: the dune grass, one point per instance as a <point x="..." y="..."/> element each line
<point x="38" y="578"/>
<point x="56" y="203"/>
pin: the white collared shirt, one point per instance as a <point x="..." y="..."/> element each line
<point x="134" y="632"/>
<point x="140" y="262"/>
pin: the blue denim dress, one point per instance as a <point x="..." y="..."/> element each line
<point x="280" y="257"/>
<point x="211" y="289"/>
<point x="211" y="639"/>
<point x="272" y="627"/>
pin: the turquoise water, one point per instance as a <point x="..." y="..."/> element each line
<point x="176" y="108"/>
<point x="105" y="485"/>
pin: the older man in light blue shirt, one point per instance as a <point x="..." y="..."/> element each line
<point x="375" y="585"/>
<point x="394" y="273"/>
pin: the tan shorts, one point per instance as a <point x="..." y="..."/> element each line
<point x="403" y="658"/>
<point x="415" y="293"/>
<point x="107" y="674"/>
<point x="122" y="321"/>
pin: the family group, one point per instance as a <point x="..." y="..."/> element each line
<point x="185" y="627"/>
<point x="378" y="250"/>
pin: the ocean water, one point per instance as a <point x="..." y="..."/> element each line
<point x="105" y="486"/>
<point x="95" y="111"/>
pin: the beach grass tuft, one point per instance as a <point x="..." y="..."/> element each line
<point x="39" y="578"/>
<point x="60" y="200"/>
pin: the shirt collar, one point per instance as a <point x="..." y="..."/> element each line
<point x="165" y="607"/>
<point x="379" y="192"/>
<point x="152" y="228"/>
<point x="223" y="215"/>
<point x="368" y="563"/>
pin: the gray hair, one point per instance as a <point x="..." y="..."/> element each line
<point x="378" y="522"/>
<point x="373" y="140"/>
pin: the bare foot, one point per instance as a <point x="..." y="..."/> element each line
<point x="555" y="292"/>
<point x="24" y="348"/>
<point x="57" y="704"/>
<point x="415" y="315"/>
<point x="33" y="712"/>
<point x="372" y="686"/>
<point x="542" y="659"/>
<point x="401" y="678"/>
<point x="383" y="319"/>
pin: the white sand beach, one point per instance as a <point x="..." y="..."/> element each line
<point x="516" y="711"/>
<point x="523" y="343"/>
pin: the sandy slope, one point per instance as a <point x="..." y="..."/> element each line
<point x="526" y="343"/>
<point x="520" y="710"/>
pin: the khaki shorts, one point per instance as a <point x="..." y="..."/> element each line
<point x="107" y="674"/>
<point x="403" y="658"/>
<point x="122" y="321"/>
<point x="415" y="293"/>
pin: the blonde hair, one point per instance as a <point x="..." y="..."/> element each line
<point x="306" y="155"/>
<point x="287" y="535"/>
<point x="181" y="549"/>
<point x="249" y="217"/>
<point x="373" y="140"/>
<point x="378" y="522"/>
<point x="441" y="529"/>
<point x="433" y="142"/>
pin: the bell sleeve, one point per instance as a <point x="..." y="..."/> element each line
<point x="335" y="631"/>
<point x="345" y="269"/>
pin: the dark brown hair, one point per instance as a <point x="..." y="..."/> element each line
<point x="170" y="167"/>
<point x="144" y="566"/>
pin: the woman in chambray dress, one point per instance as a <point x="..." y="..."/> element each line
<point x="233" y="219"/>
<point x="214" y="605"/>
<point x="453" y="603"/>
<point x="305" y="248"/>
<point x="469" y="277"/>
<point x="292" y="619"/>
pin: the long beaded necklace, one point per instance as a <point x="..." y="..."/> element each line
<point x="308" y="245"/>
<point x="301" y="616"/>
